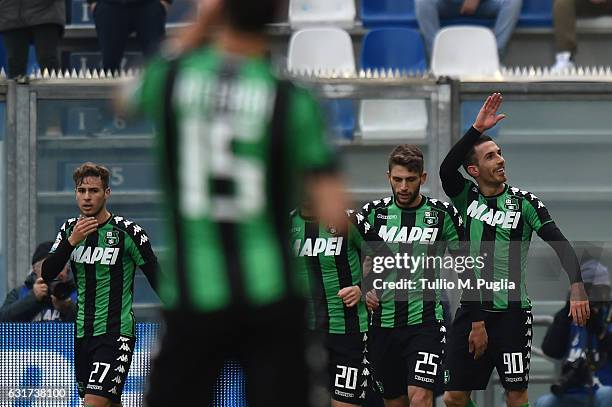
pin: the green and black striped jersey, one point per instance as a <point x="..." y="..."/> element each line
<point x="104" y="265"/>
<point x="425" y="230"/>
<point x="233" y="144"/>
<point x="328" y="262"/>
<point x="499" y="229"/>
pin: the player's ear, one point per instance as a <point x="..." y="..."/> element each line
<point x="473" y="171"/>
<point x="423" y="177"/>
<point x="107" y="193"/>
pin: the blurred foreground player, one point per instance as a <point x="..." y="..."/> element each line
<point x="104" y="250"/>
<point x="234" y="142"/>
<point x="500" y="220"/>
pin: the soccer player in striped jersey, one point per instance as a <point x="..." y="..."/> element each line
<point x="330" y="266"/>
<point x="235" y="146"/>
<point x="499" y="221"/>
<point x="104" y="250"/>
<point x="407" y="337"/>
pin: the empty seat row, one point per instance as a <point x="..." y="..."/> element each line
<point x="381" y="13"/>
<point x="457" y="51"/>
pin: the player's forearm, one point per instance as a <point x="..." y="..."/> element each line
<point x="150" y="271"/>
<point x="452" y="180"/>
<point x="470" y="298"/>
<point x="54" y="264"/>
<point x="551" y="234"/>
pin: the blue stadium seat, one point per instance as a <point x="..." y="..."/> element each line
<point x="379" y="13"/>
<point x="395" y="48"/>
<point x="340" y="115"/>
<point x="536" y="13"/>
<point x="3" y="61"/>
<point x="32" y="62"/>
<point x="80" y="13"/>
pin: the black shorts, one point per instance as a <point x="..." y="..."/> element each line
<point x="267" y="341"/>
<point x="102" y="364"/>
<point x="509" y="351"/>
<point x="348" y="367"/>
<point x="407" y="356"/>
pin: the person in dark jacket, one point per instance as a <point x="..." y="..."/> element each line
<point x="35" y="301"/>
<point x="116" y="19"/>
<point x="33" y="21"/>
<point x="586" y="351"/>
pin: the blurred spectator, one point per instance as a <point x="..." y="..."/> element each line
<point x="564" y="22"/>
<point x="506" y="13"/>
<point x="36" y="301"/>
<point x="116" y="19"/>
<point x="586" y="376"/>
<point x="25" y="21"/>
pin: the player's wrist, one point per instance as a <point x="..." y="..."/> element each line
<point x="476" y="325"/>
<point x="72" y="241"/>
<point x="479" y="128"/>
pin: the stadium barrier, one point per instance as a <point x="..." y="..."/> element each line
<point x="37" y="368"/>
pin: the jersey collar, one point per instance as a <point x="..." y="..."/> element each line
<point x="506" y="186"/>
<point x="415" y="208"/>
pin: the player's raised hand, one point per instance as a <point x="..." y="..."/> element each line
<point x="83" y="228"/>
<point x="478" y="339"/>
<point x="350" y="295"/>
<point x="487" y="116"/>
<point x="579" y="304"/>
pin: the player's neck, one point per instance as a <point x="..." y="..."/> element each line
<point x="103" y="216"/>
<point x="242" y="43"/>
<point x="414" y="204"/>
<point x="491" y="189"/>
<point x="307" y="213"/>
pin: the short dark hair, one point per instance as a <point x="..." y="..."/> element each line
<point x="252" y="15"/>
<point x="90" y="169"/>
<point x="470" y="158"/>
<point x="407" y="155"/>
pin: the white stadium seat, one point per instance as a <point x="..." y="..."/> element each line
<point x="325" y="48"/>
<point x="389" y="119"/>
<point x="465" y="51"/>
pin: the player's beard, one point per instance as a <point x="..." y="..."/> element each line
<point x="407" y="201"/>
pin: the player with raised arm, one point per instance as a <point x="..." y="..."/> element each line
<point x="499" y="221"/>
<point x="407" y="336"/>
<point x="104" y="250"/>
